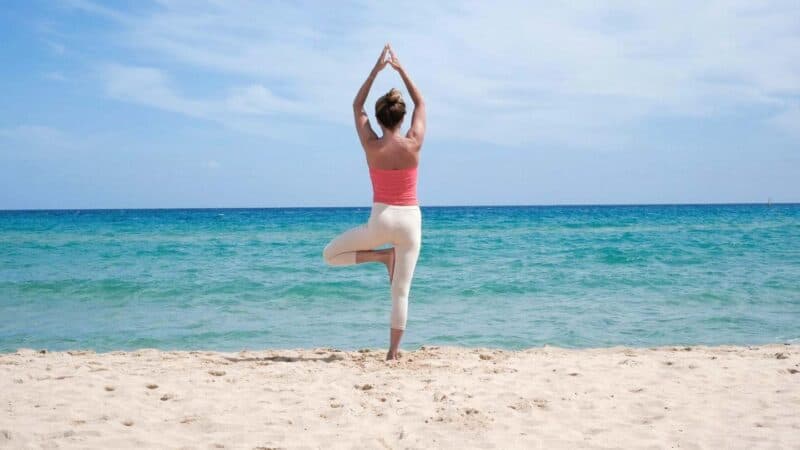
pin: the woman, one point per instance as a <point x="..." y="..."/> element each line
<point x="395" y="218"/>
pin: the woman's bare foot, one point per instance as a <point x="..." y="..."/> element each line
<point x="385" y="256"/>
<point x="394" y="344"/>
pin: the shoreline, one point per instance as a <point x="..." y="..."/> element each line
<point x="434" y="397"/>
<point x="347" y="350"/>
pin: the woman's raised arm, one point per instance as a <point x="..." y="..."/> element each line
<point x="417" y="130"/>
<point x="363" y="128"/>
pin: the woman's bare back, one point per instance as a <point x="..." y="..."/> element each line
<point x="393" y="152"/>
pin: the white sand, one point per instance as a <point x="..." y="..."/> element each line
<point x="719" y="397"/>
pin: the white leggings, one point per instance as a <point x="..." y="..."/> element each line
<point x="400" y="226"/>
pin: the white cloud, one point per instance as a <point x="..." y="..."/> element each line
<point x="94" y="8"/>
<point x="148" y="86"/>
<point x="252" y="108"/>
<point x="257" y="99"/>
<point x="509" y="72"/>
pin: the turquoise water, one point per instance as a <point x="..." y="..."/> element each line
<point x="508" y="277"/>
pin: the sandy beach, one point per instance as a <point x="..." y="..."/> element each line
<point x="435" y="397"/>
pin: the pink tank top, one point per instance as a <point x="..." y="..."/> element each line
<point x="394" y="187"/>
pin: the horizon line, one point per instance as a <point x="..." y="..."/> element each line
<point x="552" y="205"/>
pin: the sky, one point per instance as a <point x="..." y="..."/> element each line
<point x="173" y="103"/>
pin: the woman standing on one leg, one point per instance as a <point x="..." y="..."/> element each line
<point x="395" y="218"/>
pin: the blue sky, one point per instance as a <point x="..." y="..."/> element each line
<point x="247" y="104"/>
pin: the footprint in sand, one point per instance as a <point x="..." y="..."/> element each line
<point x="524" y="405"/>
<point x="649" y="420"/>
<point x="166" y="397"/>
<point x="127" y="423"/>
<point x="152" y="386"/>
<point x="110" y="388"/>
<point x="217" y="373"/>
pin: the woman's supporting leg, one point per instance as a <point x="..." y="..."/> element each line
<point x="355" y="246"/>
<point x="406" y="254"/>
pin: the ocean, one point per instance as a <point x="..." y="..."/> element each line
<point x="506" y="277"/>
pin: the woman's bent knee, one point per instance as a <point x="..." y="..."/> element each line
<point x="332" y="258"/>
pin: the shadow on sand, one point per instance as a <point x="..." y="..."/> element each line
<point x="327" y="359"/>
